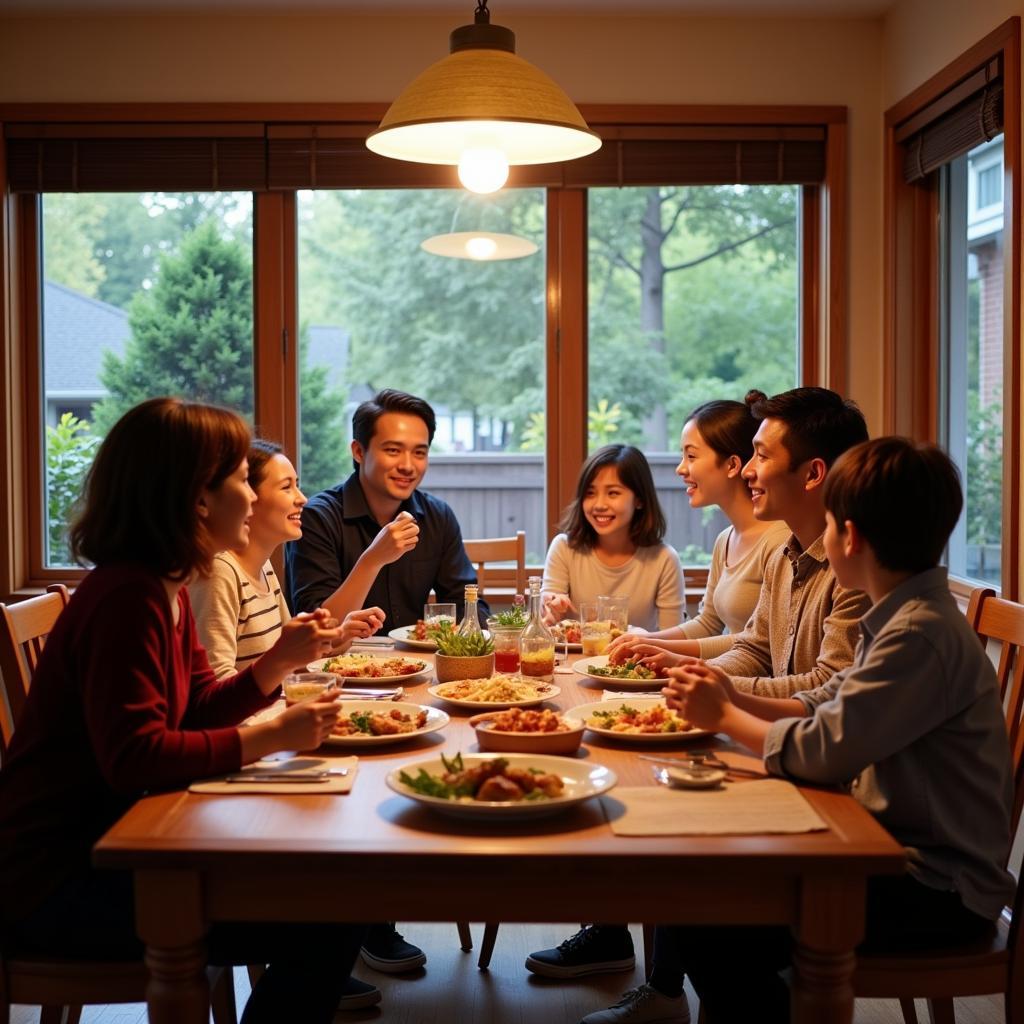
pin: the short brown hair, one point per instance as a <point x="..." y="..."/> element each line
<point x="142" y="492"/>
<point x="904" y="498"/>
<point x="820" y="424"/>
<point x="648" y="525"/>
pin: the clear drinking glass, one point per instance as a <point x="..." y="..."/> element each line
<point x="434" y="614"/>
<point x="596" y="631"/>
<point x="615" y="609"/>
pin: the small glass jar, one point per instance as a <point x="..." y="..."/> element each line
<point x="506" y="646"/>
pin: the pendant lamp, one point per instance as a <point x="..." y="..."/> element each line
<point x="479" y="244"/>
<point x="482" y="108"/>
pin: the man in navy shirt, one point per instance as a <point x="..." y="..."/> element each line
<point x="375" y="539"/>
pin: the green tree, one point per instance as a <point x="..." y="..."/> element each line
<point x="324" y="455"/>
<point x="70" y="447"/>
<point x="70" y="226"/>
<point x="984" y="484"/>
<point x="191" y="334"/>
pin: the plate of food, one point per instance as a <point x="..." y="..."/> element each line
<point x="499" y="691"/>
<point x="630" y="675"/>
<point x="568" y="634"/>
<point x="638" y="720"/>
<point x="510" y="786"/>
<point x="416" y="636"/>
<point x="391" y="668"/>
<point x="527" y="731"/>
<point x="367" y="723"/>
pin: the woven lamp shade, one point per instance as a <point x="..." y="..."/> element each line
<point x="483" y="97"/>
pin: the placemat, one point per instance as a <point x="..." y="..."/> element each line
<point x="766" y="807"/>
<point x="333" y="784"/>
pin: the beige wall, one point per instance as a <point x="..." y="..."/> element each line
<point x="597" y="59"/>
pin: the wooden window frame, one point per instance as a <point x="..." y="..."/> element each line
<point x="822" y="312"/>
<point x="911" y="282"/>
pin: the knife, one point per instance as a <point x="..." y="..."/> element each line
<point x="322" y="776"/>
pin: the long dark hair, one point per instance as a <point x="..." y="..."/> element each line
<point x="727" y="427"/>
<point x="142" y="492"/>
<point x="648" y="525"/>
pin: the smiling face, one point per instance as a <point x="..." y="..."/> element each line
<point x="776" y="489"/>
<point x="392" y="465"/>
<point x="608" y="504"/>
<point x="277" y="514"/>
<point x="707" y="476"/>
<point x="226" y="510"/>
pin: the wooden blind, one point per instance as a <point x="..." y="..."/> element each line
<point x="135" y="158"/>
<point x="965" y="116"/>
<point x="258" y="156"/>
<point x="335" y="156"/>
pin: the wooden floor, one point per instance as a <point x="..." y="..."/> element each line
<point x="451" y="990"/>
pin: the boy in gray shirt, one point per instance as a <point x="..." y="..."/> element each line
<point x="914" y="727"/>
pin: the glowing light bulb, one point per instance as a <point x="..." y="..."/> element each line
<point x="483" y="169"/>
<point x="480" y="248"/>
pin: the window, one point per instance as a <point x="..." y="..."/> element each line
<point x="704" y="281"/>
<point x="952" y="337"/>
<point x="971" y="333"/>
<point x="142" y="295"/>
<point x="377" y="310"/>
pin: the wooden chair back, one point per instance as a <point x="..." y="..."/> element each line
<point x="499" y="549"/>
<point x="24" y="628"/>
<point x="997" y="966"/>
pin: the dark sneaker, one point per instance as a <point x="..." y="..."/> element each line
<point x="386" y="951"/>
<point x="358" y="995"/>
<point x="643" y="1005"/>
<point x="595" y="950"/>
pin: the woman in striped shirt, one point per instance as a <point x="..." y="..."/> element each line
<point x="240" y="607"/>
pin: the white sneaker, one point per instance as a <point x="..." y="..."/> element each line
<point x="643" y="1005"/>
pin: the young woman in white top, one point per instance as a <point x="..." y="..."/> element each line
<point x="612" y="543"/>
<point x="239" y="608"/>
<point x="716" y="443"/>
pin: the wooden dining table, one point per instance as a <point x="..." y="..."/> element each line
<point x="374" y="855"/>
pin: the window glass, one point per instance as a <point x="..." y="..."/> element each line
<point x="693" y="295"/>
<point x="143" y="295"/>
<point x="971" y="330"/>
<point x="376" y="310"/>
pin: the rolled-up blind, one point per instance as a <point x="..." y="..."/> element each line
<point x="965" y="116"/>
<point x="255" y="156"/>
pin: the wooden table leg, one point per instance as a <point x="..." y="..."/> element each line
<point x="831" y="923"/>
<point x="169" y="916"/>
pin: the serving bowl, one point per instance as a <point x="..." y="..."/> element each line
<point x="493" y="740"/>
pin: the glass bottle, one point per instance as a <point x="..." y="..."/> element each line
<point x="470" y="624"/>
<point x="537" y="645"/>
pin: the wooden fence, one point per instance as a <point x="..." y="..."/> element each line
<point x="496" y="493"/>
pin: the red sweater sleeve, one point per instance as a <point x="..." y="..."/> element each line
<point x="136" y="677"/>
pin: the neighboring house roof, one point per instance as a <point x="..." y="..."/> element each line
<point x="77" y="330"/>
<point x="328" y="346"/>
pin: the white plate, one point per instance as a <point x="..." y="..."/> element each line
<point x="436" y="719"/>
<point x="581" y="712"/>
<point x="580" y="666"/>
<point x="318" y="666"/>
<point x="401" y="634"/>
<point x="582" y="779"/>
<point x="549" y="691"/>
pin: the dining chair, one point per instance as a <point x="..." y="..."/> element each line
<point x="24" y="628"/>
<point x="61" y="987"/>
<point x="499" y="549"/>
<point x="979" y="968"/>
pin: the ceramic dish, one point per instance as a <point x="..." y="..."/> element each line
<point x="544" y="691"/>
<point x="435" y="719"/>
<point x="565" y="742"/>
<point x="581" y="779"/>
<point x="371" y="659"/>
<point x="582" y="712"/>
<point x="581" y="666"/>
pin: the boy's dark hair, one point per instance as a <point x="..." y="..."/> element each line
<point x="904" y="497"/>
<point x="648" y="525"/>
<point x="261" y="452"/>
<point x="728" y="428"/>
<point x="364" y="420"/>
<point x="141" y="500"/>
<point x="819" y="423"/>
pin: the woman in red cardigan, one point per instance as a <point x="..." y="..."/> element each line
<point x="124" y="702"/>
